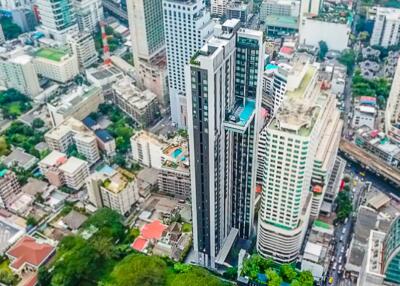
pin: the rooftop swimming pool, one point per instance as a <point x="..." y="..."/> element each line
<point x="176" y="153"/>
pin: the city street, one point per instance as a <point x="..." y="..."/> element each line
<point x="343" y="232"/>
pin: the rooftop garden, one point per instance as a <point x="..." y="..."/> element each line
<point x="51" y="54"/>
<point x="335" y="13"/>
<point x="267" y="272"/>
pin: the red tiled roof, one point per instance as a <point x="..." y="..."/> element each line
<point x="27" y="250"/>
<point x="31" y="282"/>
<point x="139" y="244"/>
<point x="287" y="50"/>
<point x="153" y="230"/>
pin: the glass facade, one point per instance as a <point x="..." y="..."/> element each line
<point x="391" y="253"/>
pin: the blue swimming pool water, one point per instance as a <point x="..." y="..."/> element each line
<point x="107" y="170"/>
<point x="176" y="153"/>
<point x="247" y="111"/>
<point x="271" y="67"/>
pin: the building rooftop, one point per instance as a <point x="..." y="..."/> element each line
<point x="153" y="230"/>
<point x="9" y="233"/>
<point x="52" y="54"/>
<point x="104" y="135"/>
<point x="335" y="13"/>
<point x="68" y="126"/>
<point x="34" y="186"/>
<point x="73" y="97"/>
<point x="29" y="251"/>
<point x="113" y="180"/>
<point x="55" y="158"/>
<point x="282" y="21"/>
<point x="133" y="95"/>
<point x="19" y="157"/>
<point x="74" y="219"/>
<point x="72" y="165"/>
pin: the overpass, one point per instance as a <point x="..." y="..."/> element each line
<point x="370" y="161"/>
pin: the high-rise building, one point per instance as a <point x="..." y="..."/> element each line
<point x="2" y="37"/>
<point x="57" y="17"/>
<point x="24" y="18"/>
<point x="56" y="64"/>
<point x="218" y="7"/>
<point x="392" y="112"/>
<point x="224" y="100"/>
<point x="147" y="35"/>
<point x="17" y="71"/>
<point x="279" y="8"/>
<point x="194" y="20"/>
<point x="386" y="30"/>
<point x="9" y="187"/>
<point x="146" y="26"/>
<point x="88" y="14"/>
<point x="83" y="46"/>
<point x="302" y="142"/>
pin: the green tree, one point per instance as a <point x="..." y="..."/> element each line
<point x="7" y="277"/>
<point x="323" y="50"/>
<point x="295" y="283"/>
<point x="231" y="273"/>
<point x="44" y="276"/>
<point x="109" y="221"/>
<point x="139" y="270"/>
<point x="287" y="272"/>
<point x="182" y="267"/>
<point x="195" y="277"/>
<point x="273" y="278"/>
<point x="37" y="123"/>
<point x="348" y="58"/>
<point x="31" y="221"/>
<point x="306" y="278"/>
<point x="4" y="148"/>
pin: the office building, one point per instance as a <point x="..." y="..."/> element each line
<point x="15" y="4"/>
<point x="140" y="105"/>
<point x="392" y="112"/>
<point x="386" y="30"/>
<point x="9" y="187"/>
<point x="77" y="102"/>
<point x="88" y="14"/>
<point x="82" y="45"/>
<point x="218" y="7"/>
<point x="301" y="149"/>
<point x="239" y="10"/>
<point x="75" y="171"/>
<point x="112" y="189"/>
<point x="24" y="18"/>
<point x="224" y="101"/>
<point x="146" y="26"/>
<point x="56" y="64"/>
<point x="279" y="8"/>
<point x="74" y="132"/>
<point x="58" y="18"/>
<point x="332" y="25"/>
<point x="17" y="71"/>
<point x="194" y="20"/>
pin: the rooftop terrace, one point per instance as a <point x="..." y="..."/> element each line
<point x="51" y="54"/>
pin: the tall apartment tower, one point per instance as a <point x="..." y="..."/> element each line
<point x="303" y="138"/>
<point x="187" y="25"/>
<point x="17" y="71"/>
<point x="88" y="13"/>
<point x="386" y="30"/>
<point x="146" y="27"/>
<point x="58" y="18"/>
<point x="224" y="100"/>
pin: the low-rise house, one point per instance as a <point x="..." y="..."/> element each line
<point x="19" y="158"/>
<point x="28" y="254"/>
<point x="74" y="220"/>
<point x="9" y="234"/>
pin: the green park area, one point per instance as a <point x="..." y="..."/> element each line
<point x="13" y="103"/>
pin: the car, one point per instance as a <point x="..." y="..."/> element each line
<point x="340" y="260"/>
<point x="344" y="230"/>
<point x="342" y="250"/>
<point x="333" y="259"/>
<point x="334" y="266"/>
<point x="330" y="280"/>
<point x="346" y="220"/>
<point x="341" y="238"/>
